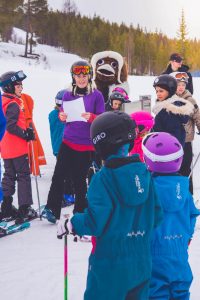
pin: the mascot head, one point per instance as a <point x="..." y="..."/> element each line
<point x="109" y="66"/>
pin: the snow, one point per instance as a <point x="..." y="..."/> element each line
<point x="32" y="261"/>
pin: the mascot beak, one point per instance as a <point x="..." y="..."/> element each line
<point x="106" y="70"/>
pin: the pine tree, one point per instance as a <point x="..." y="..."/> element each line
<point x="182" y="43"/>
<point x="34" y="11"/>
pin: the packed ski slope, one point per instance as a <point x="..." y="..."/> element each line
<point x="32" y="261"/>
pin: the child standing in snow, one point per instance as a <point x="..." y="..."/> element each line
<point x="171" y="273"/>
<point x="144" y="121"/>
<point x="76" y="151"/>
<point x="14" y="150"/>
<point x="56" y="132"/>
<point x="56" y="126"/>
<point x="122" y="212"/>
<point x="171" y="112"/>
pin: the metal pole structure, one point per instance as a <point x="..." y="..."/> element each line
<point x="36" y="182"/>
<point x="193" y="165"/>
<point x="65" y="269"/>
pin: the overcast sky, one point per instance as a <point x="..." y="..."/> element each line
<point x="163" y="15"/>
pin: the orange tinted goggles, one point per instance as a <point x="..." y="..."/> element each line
<point x="181" y="76"/>
<point x="77" y="70"/>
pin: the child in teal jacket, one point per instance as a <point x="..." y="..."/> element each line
<point x="122" y="212"/>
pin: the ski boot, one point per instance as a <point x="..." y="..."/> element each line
<point x="25" y="213"/>
<point x="8" y="211"/>
<point x="48" y="214"/>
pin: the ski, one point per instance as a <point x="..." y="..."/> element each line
<point x="6" y="229"/>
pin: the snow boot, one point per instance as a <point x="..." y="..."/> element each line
<point x="25" y="213"/>
<point x="8" y="211"/>
<point x="48" y="214"/>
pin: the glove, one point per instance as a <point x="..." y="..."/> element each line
<point x="64" y="227"/>
<point x="29" y="134"/>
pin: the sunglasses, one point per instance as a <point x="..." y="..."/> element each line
<point x="85" y="70"/>
<point x="181" y="76"/>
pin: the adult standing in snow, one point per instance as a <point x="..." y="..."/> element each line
<point x="14" y="150"/>
<point x="171" y="112"/>
<point x="2" y="130"/>
<point x="76" y="151"/>
<point x="194" y="120"/>
<point x="176" y="65"/>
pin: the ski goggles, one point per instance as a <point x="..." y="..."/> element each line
<point x="17" y="77"/>
<point x="182" y="76"/>
<point x="122" y="91"/>
<point x="85" y="70"/>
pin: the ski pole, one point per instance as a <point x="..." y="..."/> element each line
<point x="65" y="269"/>
<point x="36" y="182"/>
<point x="192" y="169"/>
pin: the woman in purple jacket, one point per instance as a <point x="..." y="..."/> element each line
<point x="76" y="151"/>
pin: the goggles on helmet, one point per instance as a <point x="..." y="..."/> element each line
<point x="17" y="77"/>
<point x="77" y="70"/>
<point x="182" y="75"/>
<point x="122" y="91"/>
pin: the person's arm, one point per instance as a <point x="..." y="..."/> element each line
<point x="12" y="116"/>
<point x="196" y="116"/>
<point x="95" y="218"/>
<point x="190" y="83"/>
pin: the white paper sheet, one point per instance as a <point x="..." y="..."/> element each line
<point x="74" y="109"/>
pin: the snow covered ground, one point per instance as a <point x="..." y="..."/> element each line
<point x="32" y="261"/>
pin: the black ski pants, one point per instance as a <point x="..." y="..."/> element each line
<point x="71" y="165"/>
<point x="17" y="170"/>
<point x="186" y="163"/>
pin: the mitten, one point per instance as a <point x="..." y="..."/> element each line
<point x="29" y="134"/>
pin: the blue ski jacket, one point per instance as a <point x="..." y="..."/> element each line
<point x="122" y="212"/>
<point x="171" y="271"/>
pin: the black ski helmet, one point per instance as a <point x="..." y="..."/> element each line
<point x="110" y="130"/>
<point x="85" y="71"/>
<point x="9" y="79"/>
<point x="116" y="96"/>
<point x="166" y="82"/>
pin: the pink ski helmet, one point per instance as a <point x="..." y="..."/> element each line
<point x="123" y="92"/>
<point x="143" y="119"/>
<point x="162" y="152"/>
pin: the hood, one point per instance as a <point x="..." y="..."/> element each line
<point x="172" y="191"/>
<point x="175" y="104"/>
<point x="131" y="181"/>
<point x="183" y="68"/>
<point x="6" y="98"/>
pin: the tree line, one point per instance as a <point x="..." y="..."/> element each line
<point x="146" y="52"/>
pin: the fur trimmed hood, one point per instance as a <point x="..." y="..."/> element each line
<point x="175" y="105"/>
